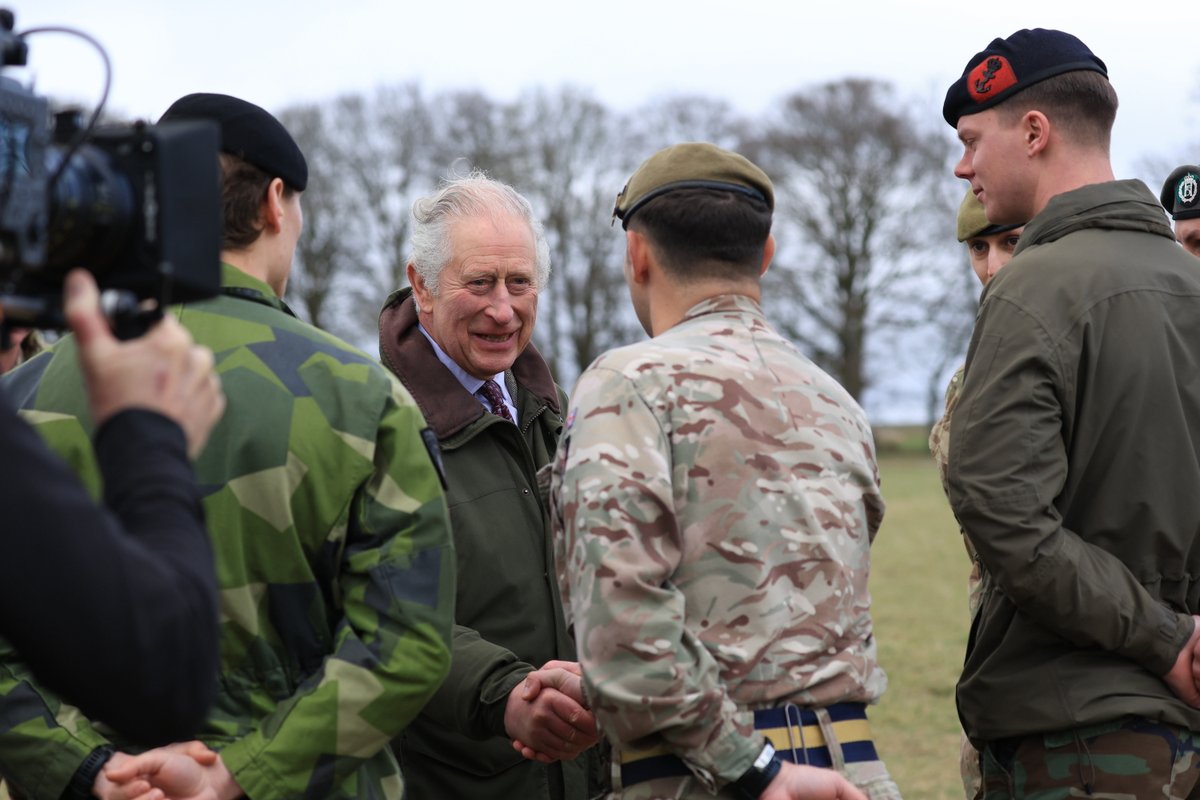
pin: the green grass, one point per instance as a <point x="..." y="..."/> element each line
<point x="919" y="603"/>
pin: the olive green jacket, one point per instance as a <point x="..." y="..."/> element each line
<point x="508" y="614"/>
<point x="1074" y="468"/>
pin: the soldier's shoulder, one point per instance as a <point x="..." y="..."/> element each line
<point x="642" y="360"/>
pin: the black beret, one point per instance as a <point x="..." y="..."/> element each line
<point x="248" y="132"/>
<point x="1009" y="65"/>
<point x="1180" y="195"/>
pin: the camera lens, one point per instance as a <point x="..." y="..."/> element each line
<point x="92" y="212"/>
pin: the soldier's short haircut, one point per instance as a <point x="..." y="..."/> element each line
<point x="1082" y="102"/>
<point x="243" y="190"/>
<point x="461" y="198"/>
<point x="706" y="233"/>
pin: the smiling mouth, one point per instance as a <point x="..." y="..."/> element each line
<point x="495" y="338"/>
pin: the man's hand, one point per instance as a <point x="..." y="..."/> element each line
<point x="162" y="371"/>
<point x="186" y="771"/>
<point x="1184" y="677"/>
<point x="134" y="789"/>
<point x="546" y="716"/>
<point x="795" y="782"/>
<point x="565" y="676"/>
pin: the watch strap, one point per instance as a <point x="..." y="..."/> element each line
<point x="755" y="780"/>
<point x="80" y="787"/>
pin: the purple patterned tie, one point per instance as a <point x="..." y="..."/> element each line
<point x="491" y="391"/>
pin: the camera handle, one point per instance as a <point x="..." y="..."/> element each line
<point x="127" y="317"/>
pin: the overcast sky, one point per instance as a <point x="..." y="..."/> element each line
<point x="627" y="52"/>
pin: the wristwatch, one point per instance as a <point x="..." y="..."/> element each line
<point x="80" y="785"/>
<point x="755" y="780"/>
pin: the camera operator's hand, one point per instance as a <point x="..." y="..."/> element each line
<point x="162" y="371"/>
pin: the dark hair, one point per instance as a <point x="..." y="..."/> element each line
<point x="243" y="189"/>
<point x="1082" y="102"/>
<point x="706" y="233"/>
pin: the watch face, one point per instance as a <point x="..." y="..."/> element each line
<point x="764" y="758"/>
<point x="755" y="780"/>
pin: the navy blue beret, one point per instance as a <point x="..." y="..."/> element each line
<point x="248" y="132"/>
<point x="1181" y="193"/>
<point x="1009" y="65"/>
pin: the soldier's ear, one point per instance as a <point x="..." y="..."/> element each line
<point x="638" y="254"/>
<point x="272" y="209"/>
<point x="768" y="254"/>
<point x="1036" y="131"/>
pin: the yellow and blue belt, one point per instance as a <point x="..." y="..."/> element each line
<point x="794" y="731"/>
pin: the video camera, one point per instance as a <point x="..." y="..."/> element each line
<point x="138" y="206"/>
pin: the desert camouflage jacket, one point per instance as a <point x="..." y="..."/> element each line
<point x="334" y="560"/>
<point x="714" y="501"/>
<point x="939" y="446"/>
<point x="939" y="434"/>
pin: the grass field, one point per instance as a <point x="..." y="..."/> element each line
<point x="918" y="588"/>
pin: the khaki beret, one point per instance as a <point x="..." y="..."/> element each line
<point x="692" y="165"/>
<point x="973" y="222"/>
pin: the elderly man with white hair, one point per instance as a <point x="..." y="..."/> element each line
<point x="459" y="340"/>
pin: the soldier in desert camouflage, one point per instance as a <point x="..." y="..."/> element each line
<point x="714" y="501"/>
<point x="335" y="564"/>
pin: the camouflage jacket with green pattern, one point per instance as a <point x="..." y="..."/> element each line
<point x="333" y="550"/>
<point x="714" y="500"/>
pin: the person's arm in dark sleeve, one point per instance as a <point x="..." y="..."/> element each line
<point x="115" y="609"/>
<point x="473" y="698"/>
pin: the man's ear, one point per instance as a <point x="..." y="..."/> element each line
<point x="639" y="254"/>
<point x="768" y="254"/>
<point x="273" y="206"/>
<point x="1036" y="130"/>
<point x="420" y="290"/>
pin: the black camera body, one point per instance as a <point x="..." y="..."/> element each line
<point x="138" y="206"/>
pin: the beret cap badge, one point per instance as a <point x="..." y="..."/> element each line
<point x="992" y="75"/>
<point x="1186" y="190"/>
<point x="1181" y="191"/>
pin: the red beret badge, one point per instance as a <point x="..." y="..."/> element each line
<point x="990" y="77"/>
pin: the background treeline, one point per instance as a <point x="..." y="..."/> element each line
<point x="867" y="280"/>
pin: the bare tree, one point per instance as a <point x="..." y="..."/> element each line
<point x="320" y="274"/>
<point x="385" y="155"/>
<point x="471" y="131"/>
<point x="862" y="198"/>
<point x="951" y="320"/>
<point x="686" y="118"/>
<point x="567" y="158"/>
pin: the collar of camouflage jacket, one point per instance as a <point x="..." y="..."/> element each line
<point x="236" y="283"/>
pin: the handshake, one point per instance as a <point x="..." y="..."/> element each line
<point x="547" y="716"/>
